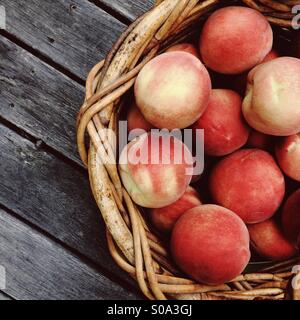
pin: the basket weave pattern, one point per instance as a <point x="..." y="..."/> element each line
<point x="133" y="246"/>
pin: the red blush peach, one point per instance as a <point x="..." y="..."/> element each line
<point x="268" y="240"/>
<point x="235" y="39"/>
<point x="156" y="169"/>
<point x="211" y="244"/>
<point x="249" y="183"/>
<point x="165" y="218"/>
<point x="224" y="127"/>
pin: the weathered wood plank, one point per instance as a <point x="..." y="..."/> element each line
<point x="53" y="196"/>
<point x="131" y="9"/>
<point x="35" y="97"/>
<point x="39" y="99"/>
<point x="38" y="268"/>
<point x="44" y="103"/>
<point x="74" y="33"/>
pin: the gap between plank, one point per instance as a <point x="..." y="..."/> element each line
<point x="42" y="57"/>
<point x="89" y="262"/>
<point x="43" y="146"/>
<point x="114" y="13"/>
<point x="80" y="168"/>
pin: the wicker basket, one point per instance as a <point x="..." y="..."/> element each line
<point x="133" y="246"/>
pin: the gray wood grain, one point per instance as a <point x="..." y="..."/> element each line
<point x="53" y="196"/>
<point x="43" y="102"/>
<point x="131" y="9"/>
<point x="74" y="33"/>
<point x="37" y="268"/>
<point x="39" y="99"/>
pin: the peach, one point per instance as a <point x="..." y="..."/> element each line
<point x="288" y="156"/>
<point x="249" y="183"/>
<point x="211" y="244"/>
<point x="268" y="241"/>
<point x="235" y="39"/>
<point x="135" y="120"/>
<point x="272" y="104"/>
<point x="165" y="218"/>
<point x="224" y="127"/>
<point x="172" y="90"/>
<point x="260" y="140"/>
<point x="156" y="169"/>
<point x="291" y="218"/>
<point x="185" y="47"/>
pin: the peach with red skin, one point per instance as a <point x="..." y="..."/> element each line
<point x="224" y="127"/>
<point x="172" y="90"/>
<point x="272" y="104"/>
<point x="288" y="156"/>
<point x="135" y="120"/>
<point x="185" y="47"/>
<point x="165" y="218"/>
<point x="156" y="170"/>
<point x="291" y="218"/>
<point x="269" y="241"/>
<point x="249" y="183"/>
<point x="229" y="45"/>
<point x="211" y="244"/>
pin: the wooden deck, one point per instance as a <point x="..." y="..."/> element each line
<point x="52" y="242"/>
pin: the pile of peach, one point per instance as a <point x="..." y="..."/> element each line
<point x="252" y="141"/>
